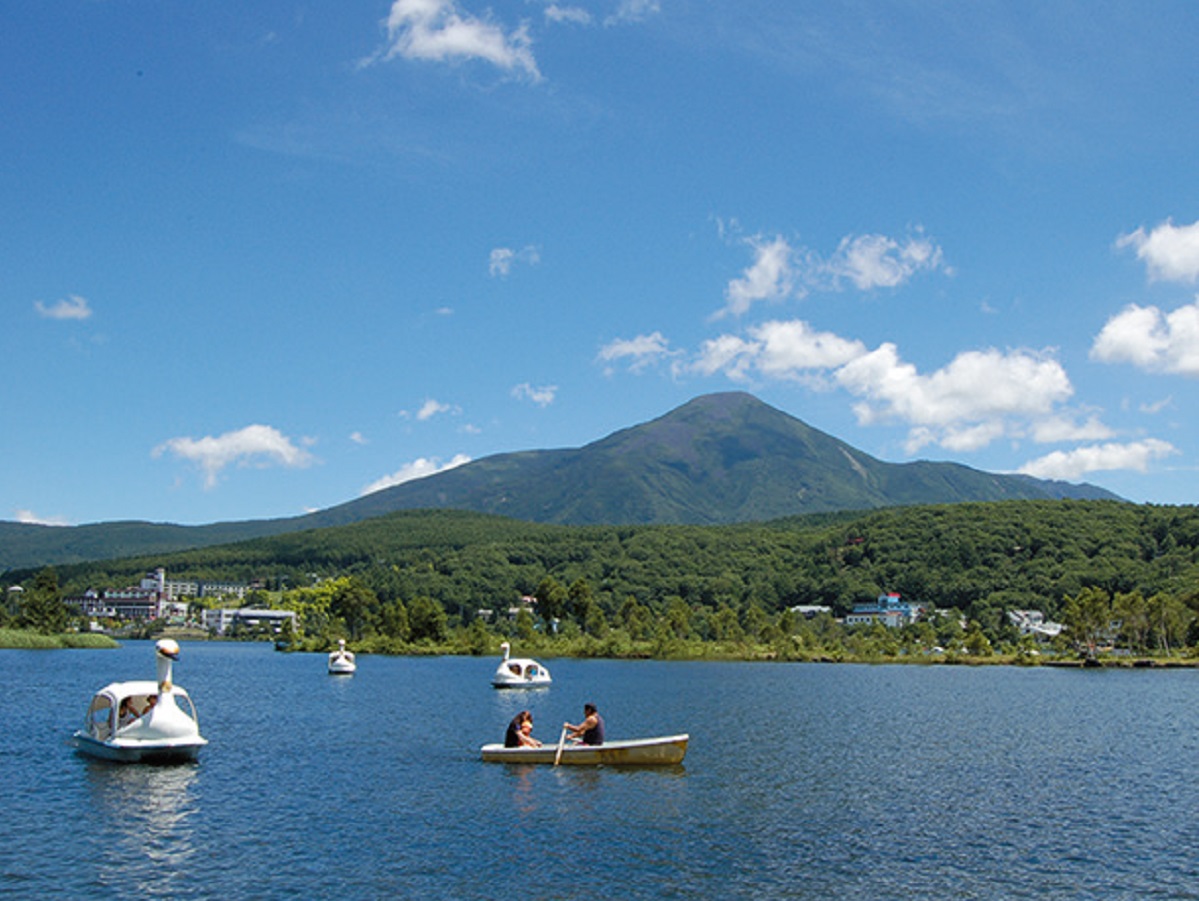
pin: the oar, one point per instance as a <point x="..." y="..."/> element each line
<point x="561" y="745"/>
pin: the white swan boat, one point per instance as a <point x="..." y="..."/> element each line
<point x="341" y="661"/>
<point x="519" y="672"/>
<point x="664" y="750"/>
<point x="143" y="721"/>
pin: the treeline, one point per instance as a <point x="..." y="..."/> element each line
<point x="978" y="559"/>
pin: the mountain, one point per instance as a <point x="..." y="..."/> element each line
<point x="721" y="458"/>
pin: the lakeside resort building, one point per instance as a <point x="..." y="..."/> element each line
<point x="889" y="609"/>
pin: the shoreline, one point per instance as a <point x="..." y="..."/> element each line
<point x="20" y="639"/>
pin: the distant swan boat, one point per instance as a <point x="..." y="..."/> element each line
<point x="143" y="721"/>
<point x="519" y="672"/>
<point x="341" y="661"/>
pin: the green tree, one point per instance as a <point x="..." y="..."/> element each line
<point x="678" y="617"/>
<point x="1168" y="620"/>
<point x="42" y="608"/>
<point x="552" y="599"/>
<point x="976" y="641"/>
<point x="1088" y="616"/>
<point x="427" y="619"/>
<point x="638" y="620"/>
<point x="580" y="598"/>
<point x="1131" y="609"/>
<point x="725" y="625"/>
<point x="526" y="628"/>
<point x="393" y="620"/>
<point x="355" y="605"/>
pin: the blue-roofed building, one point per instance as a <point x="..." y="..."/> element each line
<point x="890" y="609"/>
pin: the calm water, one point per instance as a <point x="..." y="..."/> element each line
<point x="802" y="781"/>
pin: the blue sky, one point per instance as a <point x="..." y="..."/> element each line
<point x="261" y="258"/>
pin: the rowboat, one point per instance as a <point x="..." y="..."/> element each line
<point x="663" y="750"/>
<point x="142" y="721"/>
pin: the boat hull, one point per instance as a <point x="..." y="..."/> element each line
<point x="133" y="751"/>
<point x="662" y="751"/>
<point x="518" y="682"/>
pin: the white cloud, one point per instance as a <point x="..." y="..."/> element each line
<point x="790" y="346"/>
<point x="776" y="349"/>
<point x="431" y="408"/>
<point x="976" y="386"/>
<point x="769" y="277"/>
<point x="1152" y="340"/>
<point x="867" y="262"/>
<point x="417" y="469"/>
<point x="977" y="398"/>
<point x="358" y="438"/>
<point x="877" y="261"/>
<point x="31" y="518"/>
<point x="633" y="11"/>
<point x="261" y="445"/>
<point x="1061" y="428"/>
<point x="73" y="307"/>
<point x="543" y="395"/>
<point x="1157" y="406"/>
<point x="1075" y="463"/>
<point x="573" y="14"/>
<point x="437" y="31"/>
<point x="642" y="351"/>
<point x="501" y="259"/>
<point x="1171" y="252"/>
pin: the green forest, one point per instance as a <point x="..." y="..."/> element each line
<point x="1122" y="577"/>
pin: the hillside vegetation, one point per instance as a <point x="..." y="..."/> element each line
<point x="966" y="556"/>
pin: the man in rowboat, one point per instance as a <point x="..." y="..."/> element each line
<point x="591" y="730"/>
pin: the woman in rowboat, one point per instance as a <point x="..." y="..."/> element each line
<point x="520" y="732"/>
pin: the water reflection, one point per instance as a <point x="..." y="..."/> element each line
<point x="145" y="814"/>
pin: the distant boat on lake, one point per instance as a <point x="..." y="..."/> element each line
<point x="341" y="661"/>
<point x="143" y="721"/>
<point x="519" y="672"/>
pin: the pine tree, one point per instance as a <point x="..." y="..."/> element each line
<point x="42" y="608"/>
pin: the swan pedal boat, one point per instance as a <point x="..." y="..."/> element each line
<point x="341" y="661"/>
<point x="519" y="672"/>
<point x="664" y="750"/>
<point x="168" y="732"/>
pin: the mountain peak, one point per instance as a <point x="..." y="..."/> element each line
<point x="719" y="458"/>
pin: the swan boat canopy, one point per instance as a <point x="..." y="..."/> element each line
<point x="665" y="750"/>
<point x="519" y="672"/>
<point x="143" y="721"/>
<point x="341" y="661"/>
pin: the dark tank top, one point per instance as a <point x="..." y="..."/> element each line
<point x="595" y="735"/>
<point x="511" y="737"/>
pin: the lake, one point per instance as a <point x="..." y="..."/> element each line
<point x="802" y="781"/>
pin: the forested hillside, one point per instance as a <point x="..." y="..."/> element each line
<point x="979" y="558"/>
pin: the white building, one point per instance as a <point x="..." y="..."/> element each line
<point x="220" y="620"/>
<point x="1033" y="622"/>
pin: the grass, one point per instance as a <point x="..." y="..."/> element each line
<point x="26" y="640"/>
